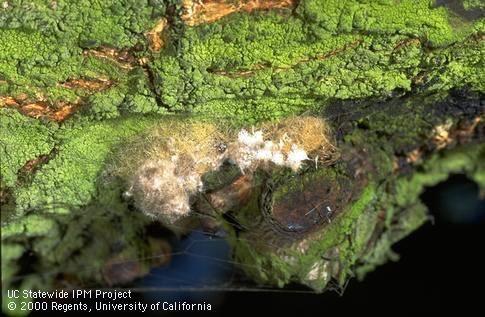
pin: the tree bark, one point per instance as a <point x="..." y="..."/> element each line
<point x="400" y="85"/>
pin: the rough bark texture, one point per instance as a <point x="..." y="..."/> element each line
<point x="401" y="84"/>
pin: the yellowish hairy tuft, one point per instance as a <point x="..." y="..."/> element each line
<point x="312" y="134"/>
<point x="193" y="144"/>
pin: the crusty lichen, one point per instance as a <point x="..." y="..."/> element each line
<point x="43" y="44"/>
<point x="264" y="58"/>
<point x="21" y="140"/>
<point x="69" y="178"/>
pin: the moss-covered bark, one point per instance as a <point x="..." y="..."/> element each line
<point x="400" y="82"/>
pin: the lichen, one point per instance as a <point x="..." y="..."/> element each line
<point x="270" y="61"/>
<point x="69" y="178"/>
<point x="22" y="139"/>
<point x="82" y="83"/>
<point x="472" y="4"/>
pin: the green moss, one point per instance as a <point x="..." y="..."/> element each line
<point x="352" y="49"/>
<point x="478" y="174"/>
<point x="42" y="42"/>
<point x="459" y="64"/>
<point x="50" y="240"/>
<point x="140" y="103"/>
<point x="222" y="67"/>
<point x="69" y="179"/>
<point x="405" y="212"/>
<point x="350" y="239"/>
<point x="169" y="82"/>
<point x="252" y="111"/>
<point x="139" y="97"/>
<point x="112" y="23"/>
<point x="244" y="41"/>
<point x="404" y="17"/>
<point x="22" y="139"/>
<point x="10" y="253"/>
<point x="473" y="4"/>
<point x="30" y="226"/>
<point x="18" y="45"/>
<point x="104" y="105"/>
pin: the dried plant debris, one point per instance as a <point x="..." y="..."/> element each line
<point x="207" y="11"/>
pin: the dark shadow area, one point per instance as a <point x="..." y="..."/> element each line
<point x="457" y="6"/>
<point x="455" y="201"/>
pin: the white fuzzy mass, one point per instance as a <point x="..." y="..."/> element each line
<point x="253" y="140"/>
<point x="253" y="150"/>
<point x="296" y="157"/>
